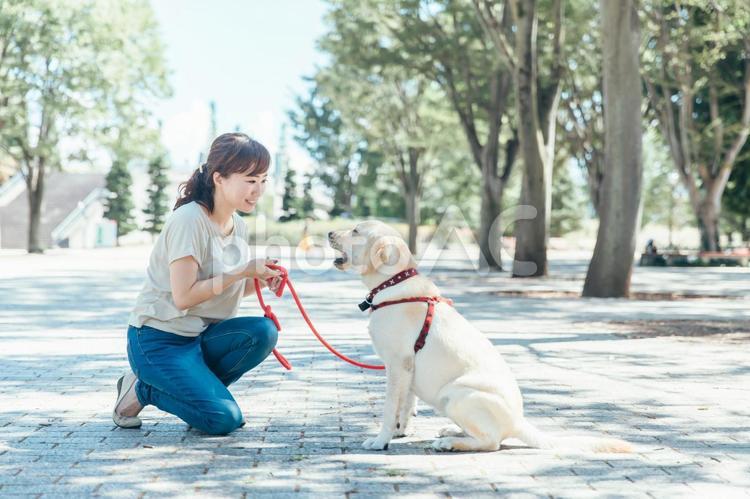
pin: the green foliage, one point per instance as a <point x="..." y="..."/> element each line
<point x="85" y="71"/>
<point x="664" y="197"/>
<point x="568" y="201"/>
<point x="377" y="192"/>
<point x="88" y="69"/>
<point x="290" y="202"/>
<point x="120" y="206"/>
<point x="696" y="69"/>
<point x="737" y="201"/>
<point x="308" y="204"/>
<point x="157" y="208"/>
<point x="454" y="182"/>
<point x="320" y="131"/>
<point x="581" y="113"/>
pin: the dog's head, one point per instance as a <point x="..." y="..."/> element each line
<point x="371" y="247"/>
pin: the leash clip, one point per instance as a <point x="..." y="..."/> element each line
<point x="365" y="305"/>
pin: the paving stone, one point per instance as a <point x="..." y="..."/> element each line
<point x="682" y="401"/>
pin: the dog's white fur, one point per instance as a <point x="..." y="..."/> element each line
<point x="458" y="372"/>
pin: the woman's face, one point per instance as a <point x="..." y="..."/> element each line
<point x="240" y="190"/>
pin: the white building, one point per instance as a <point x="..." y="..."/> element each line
<point x="72" y="212"/>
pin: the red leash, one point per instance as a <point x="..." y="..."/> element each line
<point x="269" y="313"/>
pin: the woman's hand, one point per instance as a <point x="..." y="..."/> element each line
<point x="258" y="268"/>
<point x="274" y="283"/>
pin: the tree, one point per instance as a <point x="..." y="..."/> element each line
<point x="378" y="195"/>
<point x="537" y="99"/>
<point x="321" y="132"/>
<point x="78" y="71"/>
<point x="664" y="197"/>
<point x="290" y="203"/>
<point x="612" y="262"/>
<point x="120" y="206"/>
<point x="394" y="111"/>
<point x="157" y="208"/>
<point x="308" y="203"/>
<point x="581" y="117"/>
<point x="697" y="72"/>
<point x="568" y="205"/>
<point x="737" y="200"/>
<point x="442" y="40"/>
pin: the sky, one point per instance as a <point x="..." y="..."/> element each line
<point x="249" y="56"/>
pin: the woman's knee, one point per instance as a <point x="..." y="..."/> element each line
<point x="268" y="335"/>
<point x="223" y="417"/>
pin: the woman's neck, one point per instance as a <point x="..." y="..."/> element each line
<point x="222" y="215"/>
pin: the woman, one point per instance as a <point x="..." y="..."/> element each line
<point x="185" y="345"/>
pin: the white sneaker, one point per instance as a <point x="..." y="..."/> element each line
<point x="125" y="385"/>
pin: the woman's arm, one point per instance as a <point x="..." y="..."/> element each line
<point x="250" y="287"/>
<point x="188" y="291"/>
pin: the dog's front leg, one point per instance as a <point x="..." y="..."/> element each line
<point x="405" y="413"/>
<point x="398" y="383"/>
<point x="408" y="408"/>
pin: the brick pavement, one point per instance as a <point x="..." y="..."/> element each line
<point x="683" y="401"/>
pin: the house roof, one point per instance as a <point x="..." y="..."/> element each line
<point x="62" y="193"/>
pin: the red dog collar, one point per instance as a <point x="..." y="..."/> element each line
<point x="401" y="276"/>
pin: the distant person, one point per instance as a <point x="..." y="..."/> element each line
<point x="184" y="343"/>
<point x="306" y="242"/>
<point x="651" y="248"/>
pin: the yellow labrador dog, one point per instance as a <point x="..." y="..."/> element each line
<point x="452" y="366"/>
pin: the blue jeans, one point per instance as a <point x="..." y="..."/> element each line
<point x="188" y="377"/>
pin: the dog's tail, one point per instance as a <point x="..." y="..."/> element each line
<point x="533" y="437"/>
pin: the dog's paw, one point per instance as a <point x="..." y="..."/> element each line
<point x="451" y="431"/>
<point x="375" y="443"/>
<point x="443" y="444"/>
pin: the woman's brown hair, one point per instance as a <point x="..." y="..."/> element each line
<point x="230" y="153"/>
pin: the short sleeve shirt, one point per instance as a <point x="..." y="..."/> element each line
<point x="189" y="232"/>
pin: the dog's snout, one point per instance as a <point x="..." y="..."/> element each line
<point x="330" y="235"/>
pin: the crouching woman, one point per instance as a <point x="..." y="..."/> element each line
<point x="185" y="344"/>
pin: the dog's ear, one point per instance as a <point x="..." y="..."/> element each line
<point x="392" y="252"/>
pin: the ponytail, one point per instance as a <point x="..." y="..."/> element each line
<point x="199" y="188"/>
<point x="230" y="153"/>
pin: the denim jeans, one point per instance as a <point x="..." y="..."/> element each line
<point x="188" y="377"/>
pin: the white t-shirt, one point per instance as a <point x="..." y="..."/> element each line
<point x="189" y="231"/>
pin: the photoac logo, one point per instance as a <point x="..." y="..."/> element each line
<point x="453" y="228"/>
<point x="227" y="256"/>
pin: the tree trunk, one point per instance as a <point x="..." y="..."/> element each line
<point x="594" y="181"/>
<point x="414" y="187"/>
<point x="486" y="156"/>
<point x="411" y="180"/>
<point x="531" y="234"/>
<point x="412" y="216"/>
<point x="35" y="190"/>
<point x="708" y="224"/>
<point x="612" y="263"/>
<point x="490" y="241"/>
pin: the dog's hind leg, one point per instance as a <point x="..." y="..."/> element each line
<point x="451" y="431"/>
<point x="477" y="414"/>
